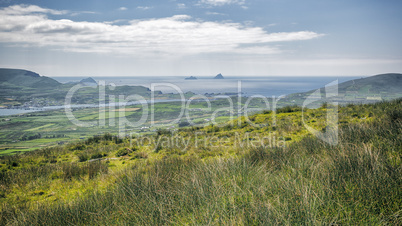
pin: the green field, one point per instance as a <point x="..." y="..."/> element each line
<point x="50" y="128"/>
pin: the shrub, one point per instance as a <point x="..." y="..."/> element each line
<point x="123" y="152"/>
<point x="96" y="156"/>
<point x="288" y="109"/>
<point x="140" y="155"/>
<point x="394" y="115"/>
<point x="78" y="146"/>
<point x="82" y="157"/>
<point x="163" y="132"/>
<point x="183" y="124"/>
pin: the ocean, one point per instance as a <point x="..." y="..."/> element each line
<point x="250" y="85"/>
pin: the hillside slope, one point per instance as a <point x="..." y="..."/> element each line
<point x="365" y="90"/>
<point x="24" y="78"/>
<point x="21" y="87"/>
<point x="107" y="180"/>
<point x="391" y="83"/>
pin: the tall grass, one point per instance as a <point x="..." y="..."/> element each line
<point x="309" y="182"/>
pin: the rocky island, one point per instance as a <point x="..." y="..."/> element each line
<point x="219" y="76"/>
<point x="191" y="78"/>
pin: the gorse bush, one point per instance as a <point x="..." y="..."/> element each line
<point x="123" y="152"/>
<point x="83" y="156"/>
<point x="96" y="155"/>
<point x="140" y="155"/>
<point x="288" y="109"/>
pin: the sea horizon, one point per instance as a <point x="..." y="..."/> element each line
<point x="250" y="85"/>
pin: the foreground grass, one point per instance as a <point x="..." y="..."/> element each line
<point x="307" y="182"/>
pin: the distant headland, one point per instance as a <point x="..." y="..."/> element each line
<point x="88" y="82"/>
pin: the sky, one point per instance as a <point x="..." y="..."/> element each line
<point x="202" y="37"/>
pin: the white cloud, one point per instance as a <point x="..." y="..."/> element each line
<point x="338" y="62"/>
<point x="222" y="2"/>
<point x="122" y="8"/>
<point x="28" y="9"/>
<point x="172" y="36"/>
<point x="144" y="7"/>
<point x="114" y="21"/>
<point x="216" y="14"/>
<point x="257" y="50"/>
<point x="82" y="12"/>
<point x="181" y="6"/>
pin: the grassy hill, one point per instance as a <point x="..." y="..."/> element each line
<point x="19" y="87"/>
<point x="221" y="174"/>
<point x="364" y="90"/>
<point x="391" y="83"/>
<point x="24" y="78"/>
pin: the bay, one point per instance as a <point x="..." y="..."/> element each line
<point x="269" y="86"/>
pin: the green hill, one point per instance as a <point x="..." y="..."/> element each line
<point x="107" y="180"/>
<point x="24" y="78"/>
<point x="18" y="87"/>
<point x="364" y="90"/>
<point x="390" y="83"/>
<point x="8" y="74"/>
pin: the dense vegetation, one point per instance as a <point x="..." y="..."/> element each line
<point x="109" y="180"/>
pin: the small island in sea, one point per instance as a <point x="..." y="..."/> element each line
<point x="89" y="82"/>
<point x="219" y="76"/>
<point x="191" y="78"/>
